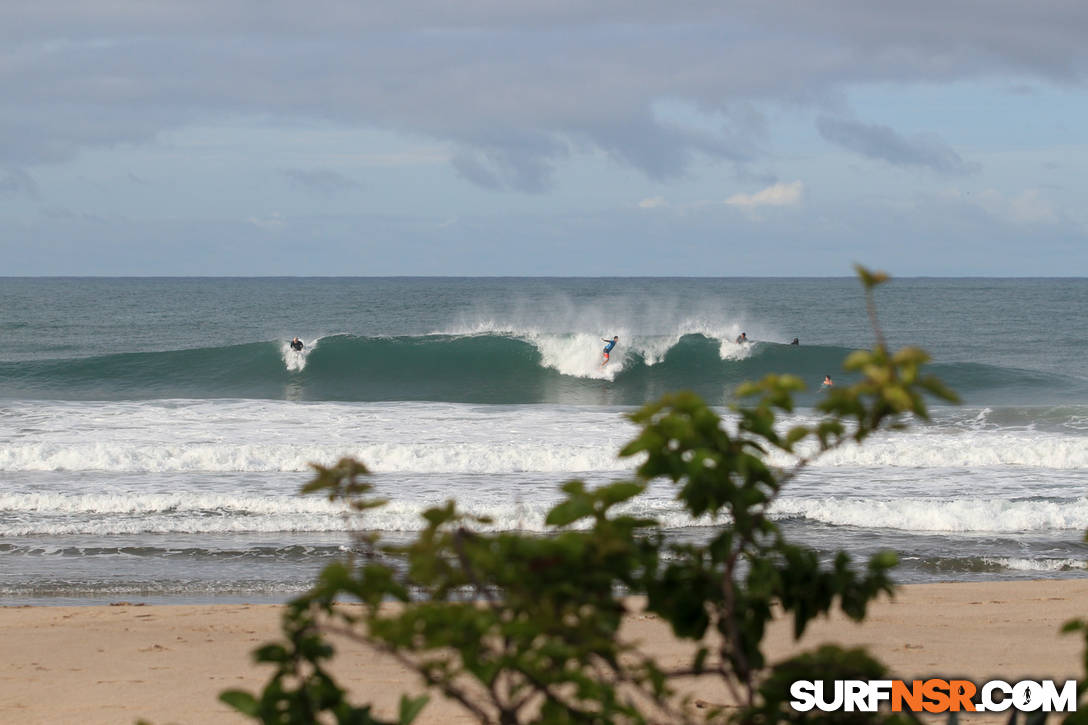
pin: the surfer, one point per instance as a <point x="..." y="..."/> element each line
<point x="795" y="341"/>
<point x="296" y="344"/>
<point x="827" y="382"/>
<point x="608" y="348"/>
<point x="742" y="337"/>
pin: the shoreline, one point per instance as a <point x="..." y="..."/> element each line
<point x="167" y="663"/>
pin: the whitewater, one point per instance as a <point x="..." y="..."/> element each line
<point x="154" y="434"/>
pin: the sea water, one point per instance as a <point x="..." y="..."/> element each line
<point x="154" y="433"/>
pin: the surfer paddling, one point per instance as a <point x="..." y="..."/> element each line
<point x="608" y="348"/>
<point x="296" y="344"/>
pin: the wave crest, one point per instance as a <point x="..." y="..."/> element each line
<point x="483" y="366"/>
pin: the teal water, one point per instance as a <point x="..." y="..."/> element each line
<point x="519" y="340"/>
<point x="154" y="432"/>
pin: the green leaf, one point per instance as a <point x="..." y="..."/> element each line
<point x="1074" y="625"/>
<point x="884" y="560"/>
<point x="910" y="355"/>
<point x="936" y="388"/>
<point x="271" y="653"/>
<point x="241" y="701"/>
<point x="796" y="434"/>
<point x="857" y="360"/>
<point x="437" y="516"/>
<point x="700" y="660"/>
<point x="898" y="398"/>
<point x="410" y="708"/>
<point x="619" y="492"/>
<point x="869" y="278"/>
<point x="568" y="512"/>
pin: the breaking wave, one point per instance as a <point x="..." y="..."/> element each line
<point x="481" y="367"/>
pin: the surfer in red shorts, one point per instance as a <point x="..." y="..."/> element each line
<point x="608" y="348"/>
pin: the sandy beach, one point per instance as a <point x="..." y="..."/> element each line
<point x="166" y="664"/>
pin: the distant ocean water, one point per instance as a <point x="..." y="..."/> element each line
<point x="154" y="432"/>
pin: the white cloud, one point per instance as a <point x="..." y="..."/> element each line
<point x="653" y="203"/>
<point x="1031" y="207"/>
<point x="1027" y="207"/>
<point x="776" y="195"/>
<point x="272" y="222"/>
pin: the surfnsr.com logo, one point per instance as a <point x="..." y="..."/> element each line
<point x="933" y="695"/>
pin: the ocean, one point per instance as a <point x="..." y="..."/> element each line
<point x="154" y="432"/>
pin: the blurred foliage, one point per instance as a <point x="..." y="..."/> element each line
<point x="1080" y="717"/>
<point x="525" y="628"/>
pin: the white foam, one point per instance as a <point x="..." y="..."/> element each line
<point x="130" y="503"/>
<point x="944" y="448"/>
<point x="153" y="524"/>
<point x="248" y="435"/>
<point x="122" y="512"/>
<point x="578" y="353"/>
<point x="941" y="515"/>
<point x="104" y="514"/>
<point x="274" y="507"/>
<point x="1040" y="565"/>
<point x="382" y="457"/>
<point x="224" y="436"/>
<point x="192" y="513"/>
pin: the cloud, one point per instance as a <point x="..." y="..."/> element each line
<point x="499" y="169"/>
<point x="653" y="203"/>
<point x="882" y="142"/>
<point x="271" y="223"/>
<point x="776" y="195"/>
<point x="1027" y="207"/>
<point x="518" y="159"/>
<point x="514" y="87"/>
<point x="64" y="214"/>
<point x="16" y="182"/>
<point x="1030" y="207"/>
<point x="322" y="182"/>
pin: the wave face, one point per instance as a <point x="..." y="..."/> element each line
<point x="490" y="367"/>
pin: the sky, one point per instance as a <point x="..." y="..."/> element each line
<point x="543" y="137"/>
